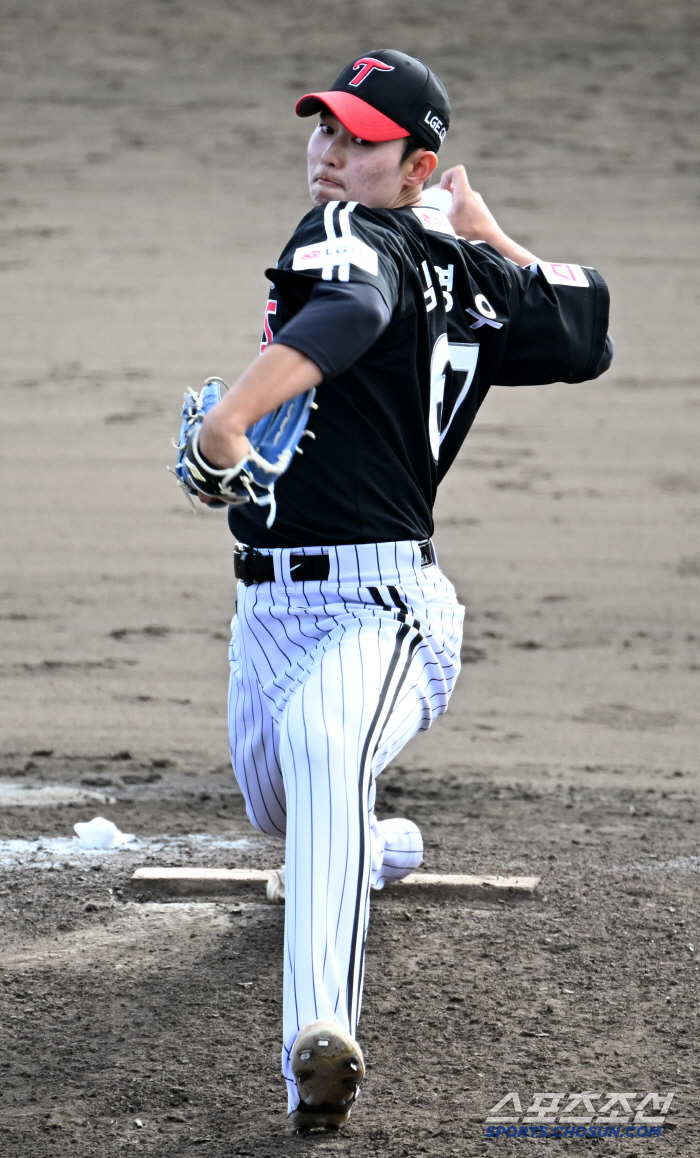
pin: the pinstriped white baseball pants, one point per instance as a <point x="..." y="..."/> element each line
<point x="329" y="680"/>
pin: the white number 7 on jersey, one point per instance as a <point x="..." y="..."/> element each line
<point x="463" y="358"/>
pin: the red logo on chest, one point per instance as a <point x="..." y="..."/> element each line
<point x="270" y="308"/>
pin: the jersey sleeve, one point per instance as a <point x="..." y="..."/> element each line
<point x="337" y="325"/>
<point x="558" y="325"/>
<point x="339" y="242"/>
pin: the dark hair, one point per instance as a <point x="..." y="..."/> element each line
<point x="410" y="146"/>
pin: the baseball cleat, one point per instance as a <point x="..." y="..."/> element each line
<point x="275" y="888"/>
<point x="328" y="1067"/>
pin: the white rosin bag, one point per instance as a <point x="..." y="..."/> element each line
<point x="101" y="833"/>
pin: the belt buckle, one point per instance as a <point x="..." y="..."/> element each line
<point x="242" y="564"/>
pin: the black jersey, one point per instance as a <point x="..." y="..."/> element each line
<point x="462" y="319"/>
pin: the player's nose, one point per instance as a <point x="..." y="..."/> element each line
<point x="334" y="153"/>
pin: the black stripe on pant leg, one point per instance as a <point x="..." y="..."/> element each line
<point x="376" y="595"/>
<point x="397" y="599"/>
<point x="358" y="934"/>
<point x="400" y="682"/>
<point x="411" y="651"/>
<point x="384" y="691"/>
<point x="403" y="607"/>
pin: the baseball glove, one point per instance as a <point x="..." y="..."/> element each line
<point x="273" y="441"/>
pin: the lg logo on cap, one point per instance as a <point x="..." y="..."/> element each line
<point x="367" y="64"/>
<point x="434" y="122"/>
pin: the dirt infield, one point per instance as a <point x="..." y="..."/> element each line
<point x="151" y="168"/>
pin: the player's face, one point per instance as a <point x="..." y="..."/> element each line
<point x="346" y="168"/>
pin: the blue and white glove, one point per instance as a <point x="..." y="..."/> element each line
<point x="273" y="441"/>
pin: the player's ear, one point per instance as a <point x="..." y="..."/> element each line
<point x="421" y="166"/>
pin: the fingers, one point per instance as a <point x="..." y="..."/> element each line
<point x="456" y="180"/>
<point x="446" y="181"/>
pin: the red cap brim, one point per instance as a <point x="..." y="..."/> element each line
<point x="359" y="118"/>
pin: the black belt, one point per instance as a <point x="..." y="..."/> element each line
<point x="251" y="567"/>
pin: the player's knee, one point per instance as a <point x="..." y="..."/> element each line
<point x="263" y="822"/>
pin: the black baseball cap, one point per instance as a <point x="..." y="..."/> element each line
<point x="385" y="95"/>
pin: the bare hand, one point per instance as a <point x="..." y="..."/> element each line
<point x="470" y="215"/>
<point x="473" y="220"/>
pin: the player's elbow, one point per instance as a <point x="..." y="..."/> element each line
<point x="376" y="313"/>
<point x="606" y="357"/>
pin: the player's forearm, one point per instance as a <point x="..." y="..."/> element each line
<point x="279" y="374"/>
<point x="473" y="220"/>
<point x="510" y="249"/>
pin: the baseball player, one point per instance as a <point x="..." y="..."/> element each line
<point x="347" y="636"/>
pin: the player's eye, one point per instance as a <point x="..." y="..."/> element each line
<point x="327" y="129"/>
<point x="360" y="141"/>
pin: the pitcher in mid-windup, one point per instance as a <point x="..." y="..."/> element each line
<point x="347" y="637"/>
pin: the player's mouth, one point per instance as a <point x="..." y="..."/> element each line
<point x="326" y="182"/>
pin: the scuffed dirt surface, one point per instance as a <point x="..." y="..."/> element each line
<point x="151" y="168"/>
<point x="118" y="1006"/>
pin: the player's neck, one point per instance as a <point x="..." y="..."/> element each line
<point x="406" y="198"/>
